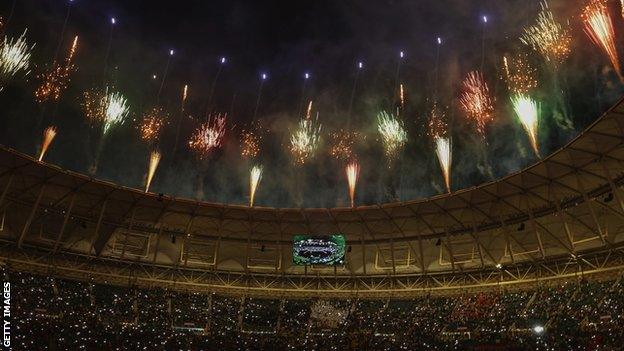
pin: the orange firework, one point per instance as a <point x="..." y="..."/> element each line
<point x="56" y="80"/>
<point x="153" y="164"/>
<point x="342" y="144"/>
<point x="255" y="176"/>
<point x="48" y="135"/>
<point x="476" y="101"/>
<point x="208" y="136"/>
<point x="521" y="76"/>
<point x="599" y="27"/>
<point x="548" y="37"/>
<point x="152" y="124"/>
<point x="353" y="172"/>
<point x="439" y="134"/>
<point x="250" y="143"/>
<point x="94" y="105"/>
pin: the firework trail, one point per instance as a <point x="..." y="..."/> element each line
<point x="207" y="137"/>
<point x="437" y="68"/>
<point x="521" y="77"/>
<point x="14" y="57"/>
<point x="306" y="77"/>
<point x="402" y="96"/>
<point x="360" y="65"/>
<point x="393" y="134"/>
<point x="305" y="140"/>
<point x="113" y="21"/>
<point x="164" y="79"/>
<point x="152" y="125"/>
<point x="263" y="78"/>
<point x="55" y="81"/>
<point x="343" y="143"/>
<point x="477" y="102"/>
<point x="153" y="164"/>
<point x="255" y="177"/>
<point x="179" y="124"/>
<point x="353" y="172"/>
<point x="527" y="111"/>
<point x="439" y="134"/>
<point x="213" y="86"/>
<point x="599" y="27"/>
<point x="548" y="37"/>
<point x="621" y="7"/>
<point x="48" y="135"/>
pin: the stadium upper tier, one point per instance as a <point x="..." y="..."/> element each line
<point x="561" y="216"/>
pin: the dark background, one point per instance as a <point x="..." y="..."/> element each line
<point x="285" y="39"/>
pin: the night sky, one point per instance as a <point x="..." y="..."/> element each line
<point x="286" y="39"/>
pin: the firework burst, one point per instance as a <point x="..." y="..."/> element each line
<point x="94" y="106"/>
<point x="255" y="176"/>
<point x="153" y="164"/>
<point x="56" y="80"/>
<point x="477" y="102"/>
<point x="548" y="37"/>
<point x="305" y="140"/>
<point x="353" y="172"/>
<point x="393" y="134"/>
<point x="439" y="134"/>
<point x="48" y="135"/>
<point x="342" y="144"/>
<point x="15" y="57"/>
<point x="208" y="136"/>
<point x="250" y="143"/>
<point x="520" y="75"/>
<point x="116" y="110"/>
<point x="527" y="111"/>
<point x="152" y="124"/>
<point x="599" y="27"/>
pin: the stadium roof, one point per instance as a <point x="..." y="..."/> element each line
<point x="556" y="217"/>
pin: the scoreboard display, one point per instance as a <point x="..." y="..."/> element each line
<point x="319" y="250"/>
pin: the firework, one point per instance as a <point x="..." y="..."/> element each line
<point x="48" y="135"/>
<point x="116" y="109"/>
<point x="94" y="104"/>
<point x="402" y="96"/>
<point x="527" y="111"/>
<point x="599" y="27"/>
<point x="309" y="110"/>
<point x="342" y="144"/>
<point x="548" y="37"/>
<point x="152" y="124"/>
<point x="153" y="164"/>
<point x="353" y="172"/>
<point x="305" y="139"/>
<point x="520" y="75"/>
<point x="55" y="81"/>
<point x="393" y="134"/>
<point x="15" y="57"/>
<point x="208" y="136"/>
<point x="254" y="180"/>
<point x="250" y="143"/>
<point x="438" y="131"/>
<point x="476" y="101"/>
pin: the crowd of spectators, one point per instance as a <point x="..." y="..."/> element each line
<point x="57" y="314"/>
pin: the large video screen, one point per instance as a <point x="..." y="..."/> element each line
<point x="318" y="250"/>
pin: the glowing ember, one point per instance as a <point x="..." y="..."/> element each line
<point x="477" y="102"/>
<point x="393" y="134"/>
<point x="55" y="81"/>
<point x="402" y="96"/>
<point x="152" y="124"/>
<point x="342" y="143"/>
<point x="599" y="27"/>
<point x="48" y="135"/>
<point x="353" y="172"/>
<point x="208" y="136"/>
<point x="520" y="75"/>
<point x="548" y="37"/>
<point x="153" y="164"/>
<point x="528" y="112"/>
<point x="14" y="57"/>
<point x="254" y="180"/>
